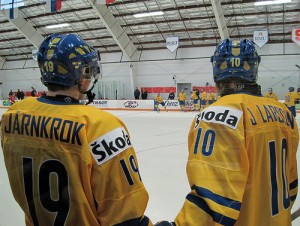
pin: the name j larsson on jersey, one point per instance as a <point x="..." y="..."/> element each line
<point x="221" y="115"/>
<point x="109" y="145"/>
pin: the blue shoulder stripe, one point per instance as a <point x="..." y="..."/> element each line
<point x="217" y="217"/>
<point x="205" y="193"/>
<point x="294" y="184"/>
<point x="293" y="198"/>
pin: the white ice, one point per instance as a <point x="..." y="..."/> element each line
<point x="160" y="140"/>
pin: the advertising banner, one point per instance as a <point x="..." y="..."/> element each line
<point x="296" y="35"/>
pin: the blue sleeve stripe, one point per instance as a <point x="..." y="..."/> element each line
<point x="217" y="217"/>
<point x="293" y="198"/>
<point x="294" y="184"/>
<point x="205" y="193"/>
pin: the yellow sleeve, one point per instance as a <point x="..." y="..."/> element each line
<point x="293" y="176"/>
<point x="115" y="178"/>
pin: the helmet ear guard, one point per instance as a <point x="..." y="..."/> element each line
<point x="235" y="59"/>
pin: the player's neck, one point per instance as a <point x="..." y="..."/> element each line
<point x="71" y="92"/>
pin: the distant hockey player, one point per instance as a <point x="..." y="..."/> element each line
<point x="270" y="94"/>
<point x="290" y="100"/>
<point x="211" y="97"/>
<point x="158" y="100"/>
<point x="203" y="99"/>
<point x="181" y="100"/>
<point x="195" y="98"/>
<point x="71" y="164"/>
<point x="242" y="165"/>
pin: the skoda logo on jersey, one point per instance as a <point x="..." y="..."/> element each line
<point x="221" y="115"/>
<point x="109" y="145"/>
<point x="131" y="104"/>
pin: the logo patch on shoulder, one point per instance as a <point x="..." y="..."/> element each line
<point x="221" y="115"/>
<point x="110" y="145"/>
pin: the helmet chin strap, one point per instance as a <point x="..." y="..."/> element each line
<point x="89" y="94"/>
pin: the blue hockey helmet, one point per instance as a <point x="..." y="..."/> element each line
<point x="64" y="59"/>
<point x="291" y="89"/>
<point x="235" y="59"/>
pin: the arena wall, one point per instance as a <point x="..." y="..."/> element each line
<point x="157" y="68"/>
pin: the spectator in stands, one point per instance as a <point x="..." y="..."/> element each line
<point x="19" y="94"/>
<point x="10" y="92"/>
<point x="144" y="94"/>
<point x="137" y="93"/>
<point x="12" y="98"/>
<point x="33" y="92"/>
<point x="22" y="95"/>
<point x="171" y="96"/>
<point x="44" y="94"/>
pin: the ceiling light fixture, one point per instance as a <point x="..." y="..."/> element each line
<point x="57" y="26"/>
<point x="157" y="13"/>
<point x="271" y="2"/>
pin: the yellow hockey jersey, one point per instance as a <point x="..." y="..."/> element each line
<point x="158" y="99"/>
<point x="242" y="165"/>
<point x="211" y="96"/>
<point x="203" y="95"/>
<point x="271" y="95"/>
<point x="290" y="98"/>
<point x="72" y="165"/>
<point x="194" y="95"/>
<point x="181" y="96"/>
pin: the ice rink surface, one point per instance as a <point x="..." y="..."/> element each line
<point x="160" y="140"/>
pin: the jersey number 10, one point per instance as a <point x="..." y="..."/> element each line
<point x="273" y="174"/>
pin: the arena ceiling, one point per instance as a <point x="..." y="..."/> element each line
<point x="113" y="28"/>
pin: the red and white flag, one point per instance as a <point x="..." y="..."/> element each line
<point x="104" y="1"/>
<point x="53" y="5"/>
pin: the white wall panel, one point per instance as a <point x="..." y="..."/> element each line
<point x="157" y="68"/>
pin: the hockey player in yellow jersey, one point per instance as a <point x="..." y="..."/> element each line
<point x="181" y="100"/>
<point x="290" y="100"/>
<point x="71" y="164"/>
<point x="211" y="97"/>
<point x="270" y="94"/>
<point x="158" y="100"/>
<point x="242" y="166"/>
<point x="195" y="98"/>
<point x="203" y="99"/>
